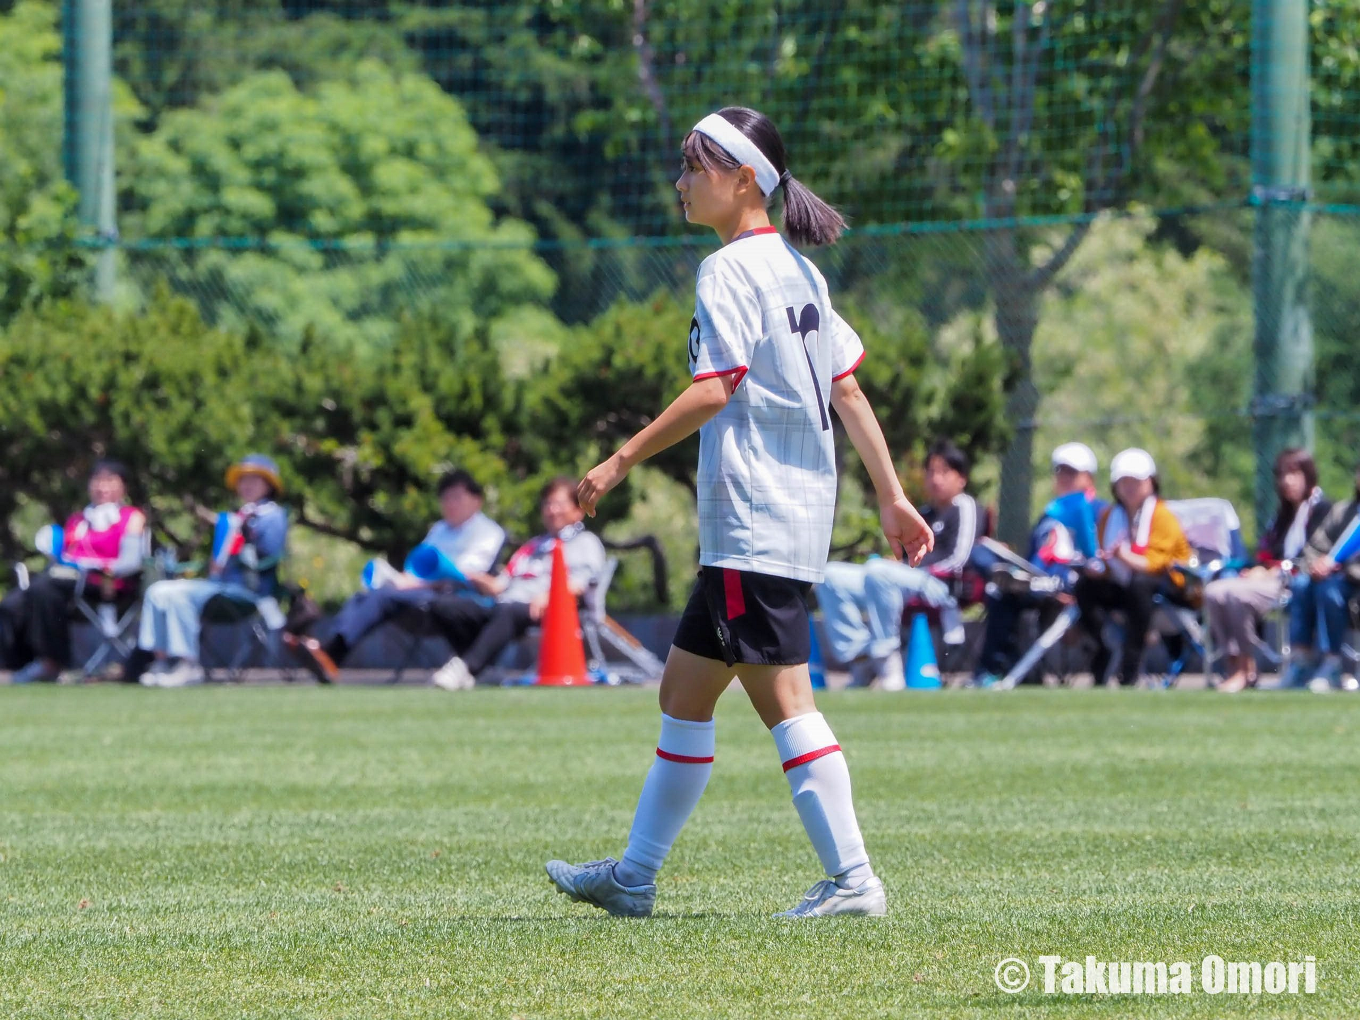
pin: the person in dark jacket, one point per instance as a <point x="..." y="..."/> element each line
<point x="1057" y="543"/>
<point x="1236" y="605"/>
<point x="862" y="603"/>
<point x="1329" y="576"/>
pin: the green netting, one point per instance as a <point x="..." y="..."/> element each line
<point x="330" y="170"/>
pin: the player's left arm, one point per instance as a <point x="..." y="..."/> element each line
<point x="697" y="404"/>
<point x="908" y="534"/>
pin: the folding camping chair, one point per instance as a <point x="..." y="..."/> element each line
<point x="1214" y="531"/>
<point x="603" y="634"/>
<point x="224" y="614"/>
<point x="111" y="605"/>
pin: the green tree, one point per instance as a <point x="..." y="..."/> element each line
<point x="37" y="206"/>
<point x="348" y="204"/>
<point x="171" y="398"/>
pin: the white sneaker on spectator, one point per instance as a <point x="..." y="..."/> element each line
<point x="1328" y="675"/>
<point x="185" y="673"/>
<point x="892" y="675"/>
<point x="454" y="676"/>
<point x="952" y="623"/>
<point x="826" y="899"/>
<point x="151" y="676"/>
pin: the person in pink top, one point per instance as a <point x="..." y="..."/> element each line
<point x="103" y="543"/>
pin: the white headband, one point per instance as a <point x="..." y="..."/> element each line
<point x="742" y="149"/>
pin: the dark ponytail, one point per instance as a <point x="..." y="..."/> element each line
<point x="807" y="219"/>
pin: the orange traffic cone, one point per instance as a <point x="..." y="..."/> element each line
<point x="561" y="655"/>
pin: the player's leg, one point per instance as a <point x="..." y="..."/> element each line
<point x="770" y="637"/>
<point x="819" y="780"/>
<point x="690" y="688"/>
<point x="692" y="682"/>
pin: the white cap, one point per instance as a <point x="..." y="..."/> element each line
<point x="1077" y="456"/>
<point x="1132" y="463"/>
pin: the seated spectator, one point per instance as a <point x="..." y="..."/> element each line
<point x="479" y="629"/>
<point x="1140" y="540"/>
<point x="1237" y="605"/>
<point x="1054" y="549"/>
<point x="244" y="568"/>
<point x="101" y="546"/>
<point x="878" y="590"/>
<point x="463" y="535"/>
<point x="1318" y="614"/>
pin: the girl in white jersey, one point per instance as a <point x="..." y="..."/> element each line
<point x="770" y="360"/>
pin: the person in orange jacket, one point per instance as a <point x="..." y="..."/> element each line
<point x="1140" y="540"/>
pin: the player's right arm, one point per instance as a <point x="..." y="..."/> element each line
<point x="697" y="404"/>
<point x="908" y="535"/>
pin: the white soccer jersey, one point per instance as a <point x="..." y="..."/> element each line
<point x="767" y="469"/>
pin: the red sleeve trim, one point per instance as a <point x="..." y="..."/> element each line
<point x="740" y="373"/>
<point x="851" y="369"/>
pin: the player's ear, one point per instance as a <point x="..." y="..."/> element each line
<point x="746" y="177"/>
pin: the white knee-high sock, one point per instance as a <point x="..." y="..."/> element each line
<point x="675" y="782"/>
<point x="820" y="781"/>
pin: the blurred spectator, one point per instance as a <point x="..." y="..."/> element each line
<point x="1055" y="546"/>
<point x="1236" y="605"/>
<point x="466" y="538"/>
<point x="1139" y="539"/>
<point x="248" y="548"/>
<point x="1318" y="613"/>
<point x="101" y="545"/>
<point x="479" y="629"/>
<point x="878" y="590"/>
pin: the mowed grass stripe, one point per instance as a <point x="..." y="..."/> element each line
<point x="371" y="852"/>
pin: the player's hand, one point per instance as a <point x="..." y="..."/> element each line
<point x="1322" y="568"/>
<point x="537" y="608"/>
<point x="599" y="480"/>
<point x="909" y="536"/>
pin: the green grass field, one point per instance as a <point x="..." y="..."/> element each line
<point x="367" y="853"/>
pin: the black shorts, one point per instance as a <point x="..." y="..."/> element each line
<point x="740" y="616"/>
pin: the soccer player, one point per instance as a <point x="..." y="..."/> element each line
<point x="770" y="360"/>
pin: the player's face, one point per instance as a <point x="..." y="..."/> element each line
<point x="943" y="483"/>
<point x="1291" y="487"/>
<point x="1064" y="480"/>
<point x="1132" y="491"/>
<point x="711" y="198"/>
<point x="457" y="505"/>
<point x="251" y="488"/>
<point x="560" y="510"/>
<point x="106" y="487"/>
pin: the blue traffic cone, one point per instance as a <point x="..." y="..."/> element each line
<point x="923" y="671"/>
<point x="816" y="666"/>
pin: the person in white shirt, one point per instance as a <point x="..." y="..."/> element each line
<point x="465" y="536"/>
<point x="770" y="360"/>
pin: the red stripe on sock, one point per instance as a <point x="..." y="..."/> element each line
<point x="684" y="759"/>
<point x="732" y="594"/>
<point x="803" y="759"/>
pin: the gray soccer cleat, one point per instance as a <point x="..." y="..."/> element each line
<point x="594" y="883"/>
<point x="826" y="898"/>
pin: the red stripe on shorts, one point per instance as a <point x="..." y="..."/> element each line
<point x="803" y="759"/>
<point x="683" y="759"/>
<point x="732" y="594"/>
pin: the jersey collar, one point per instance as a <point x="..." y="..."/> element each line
<point x="753" y="233"/>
